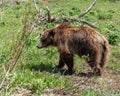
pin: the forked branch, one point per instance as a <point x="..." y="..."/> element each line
<point x="48" y="18"/>
<point x="86" y="11"/>
<point x="48" y="14"/>
<point x="81" y="15"/>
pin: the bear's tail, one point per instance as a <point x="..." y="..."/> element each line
<point x="105" y="54"/>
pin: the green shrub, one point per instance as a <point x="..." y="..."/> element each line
<point x="113" y="38"/>
<point x="112" y="27"/>
<point x="89" y="92"/>
<point x="103" y="15"/>
<point x="74" y="11"/>
<point x="114" y="33"/>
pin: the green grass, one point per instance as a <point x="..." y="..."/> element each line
<point x="34" y="68"/>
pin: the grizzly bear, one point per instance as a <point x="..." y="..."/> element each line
<point x="77" y="40"/>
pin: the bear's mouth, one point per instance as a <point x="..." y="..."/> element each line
<point x="40" y="45"/>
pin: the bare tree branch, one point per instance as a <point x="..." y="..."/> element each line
<point x="16" y="52"/>
<point x="48" y="18"/>
<point x="4" y="66"/>
<point x="49" y="15"/>
<point x="35" y="5"/>
<point x="88" y="23"/>
<point x="77" y="19"/>
<point x="86" y="11"/>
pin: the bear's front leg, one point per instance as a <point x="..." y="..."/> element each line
<point x="68" y="59"/>
<point x="61" y="61"/>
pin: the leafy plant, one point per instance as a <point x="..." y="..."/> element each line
<point x="113" y="38"/>
<point x="103" y="15"/>
<point x="90" y="92"/>
<point x="114" y="34"/>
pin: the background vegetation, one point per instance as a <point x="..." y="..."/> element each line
<point x="33" y="74"/>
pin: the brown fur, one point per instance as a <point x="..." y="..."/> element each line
<point x="77" y="40"/>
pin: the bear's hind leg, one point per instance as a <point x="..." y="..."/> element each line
<point x="94" y="62"/>
<point x="97" y="70"/>
<point x="104" y="57"/>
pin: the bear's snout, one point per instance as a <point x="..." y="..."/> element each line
<point x="40" y="45"/>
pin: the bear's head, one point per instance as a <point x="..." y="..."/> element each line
<point x="46" y="39"/>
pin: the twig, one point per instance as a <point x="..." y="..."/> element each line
<point x="35" y="5"/>
<point x="4" y="66"/>
<point x="17" y="51"/>
<point x="48" y="14"/>
<point x="86" y="11"/>
<point x="1" y="85"/>
<point x="87" y="23"/>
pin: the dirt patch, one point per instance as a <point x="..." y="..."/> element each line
<point x="22" y="92"/>
<point x="110" y="80"/>
<point x="57" y="92"/>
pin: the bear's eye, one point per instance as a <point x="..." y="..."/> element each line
<point x="40" y="34"/>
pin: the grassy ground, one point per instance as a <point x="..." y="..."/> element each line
<point x="33" y="74"/>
